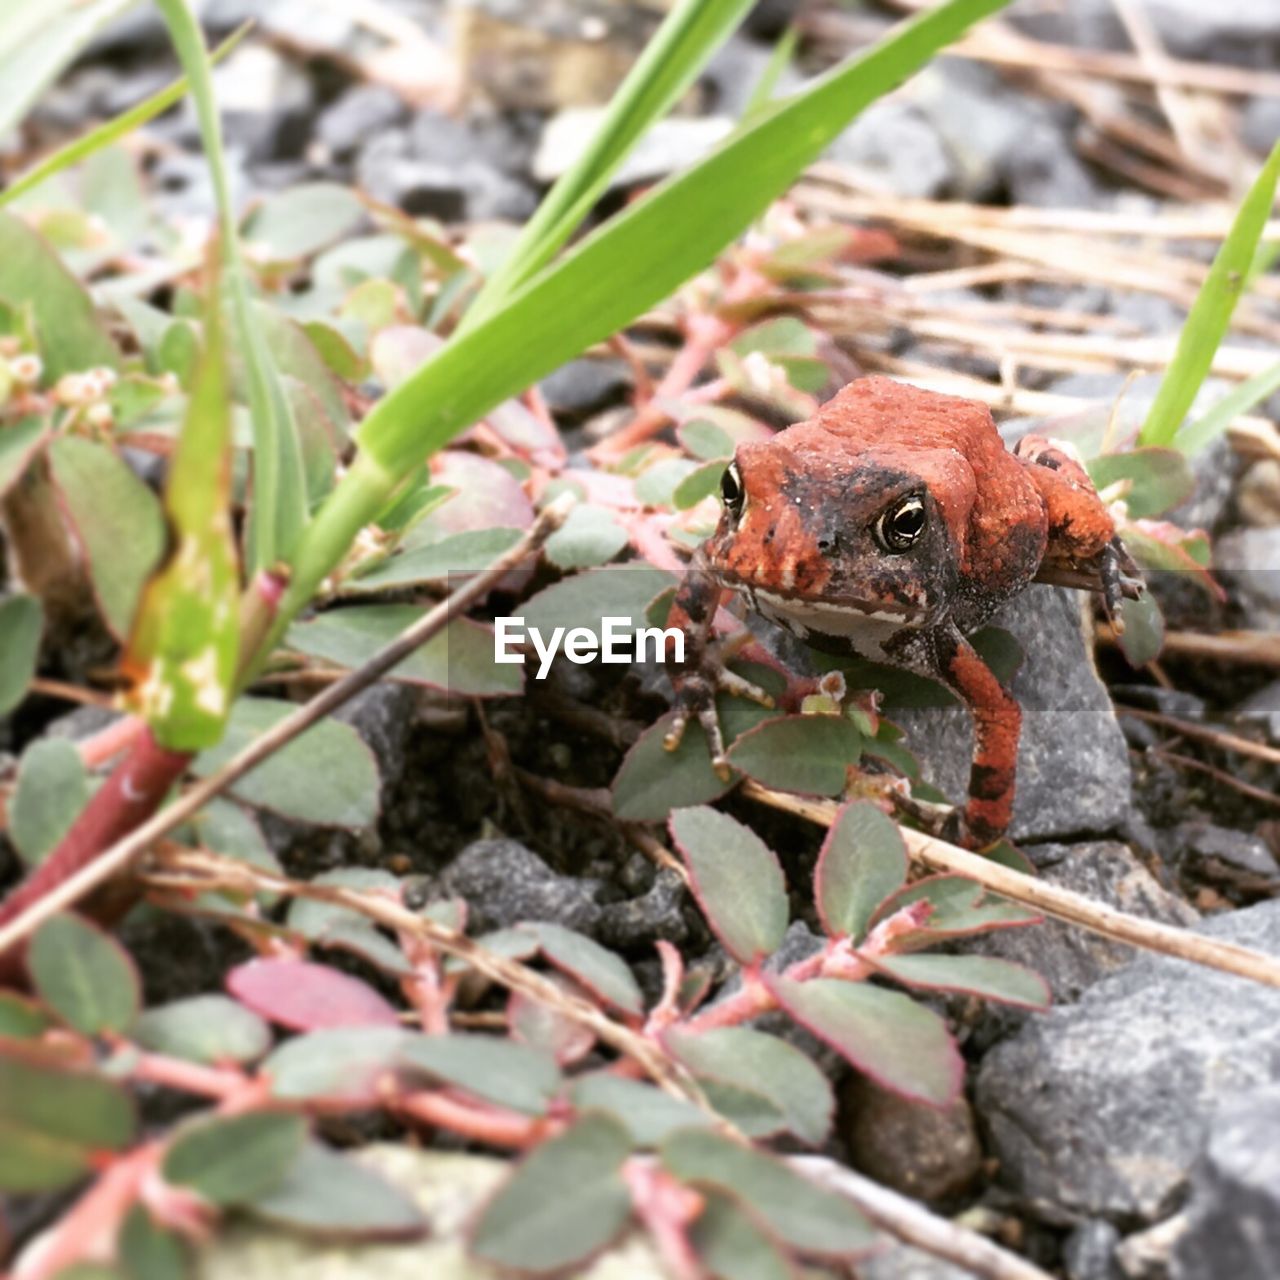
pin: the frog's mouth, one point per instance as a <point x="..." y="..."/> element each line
<point x="828" y="617"/>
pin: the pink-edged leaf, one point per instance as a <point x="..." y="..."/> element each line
<point x="986" y="976"/>
<point x="84" y="975"/>
<point x="604" y="974"/>
<point x="343" y="1064"/>
<point x="737" y="880"/>
<point x="652" y="781"/>
<point x="308" y="997"/>
<point x="960" y="907"/>
<point x="898" y="1043"/>
<point x="535" y="1024"/>
<point x="810" y="755"/>
<point x="863" y="861"/>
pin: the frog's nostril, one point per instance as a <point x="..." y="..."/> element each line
<point x="828" y="544"/>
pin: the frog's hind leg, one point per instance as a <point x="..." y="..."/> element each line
<point x="997" y="726"/>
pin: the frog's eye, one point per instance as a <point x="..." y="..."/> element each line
<point x="900" y="526"/>
<point x="731" y="490"/>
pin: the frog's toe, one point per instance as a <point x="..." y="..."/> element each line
<point x="1121" y="580"/>
<point x="730" y="682"/>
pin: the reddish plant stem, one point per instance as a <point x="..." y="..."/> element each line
<point x="133" y="792"/>
<point x="495" y="1128"/>
<point x="98" y="748"/>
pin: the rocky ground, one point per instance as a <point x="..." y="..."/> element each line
<point x="1131" y="1132"/>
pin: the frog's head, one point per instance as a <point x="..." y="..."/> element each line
<point x="833" y="539"/>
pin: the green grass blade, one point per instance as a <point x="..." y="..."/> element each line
<point x="104" y="135"/>
<point x="670" y="63"/>
<point x="279" y="512"/>
<point x="1204" y="430"/>
<point x="779" y="60"/>
<point x="38" y="38"/>
<point x="643" y="254"/>
<point x="1210" y="314"/>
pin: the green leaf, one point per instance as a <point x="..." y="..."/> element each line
<point x="1155" y="480"/>
<point x="72" y="338"/>
<point x="279" y="512"/>
<point x="84" y="976"/>
<point x="707" y="441"/>
<point x="19" y="443"/>
<point x="986" y="976"/>
<point x="697" y="485"/>
<point x="653" y="781"/>
<point x="807" y="754"/>
<point x="1210" y="315"/>
<point x="649" y="1113"/>
<point x="459" y="659"/>
<point x="794" y="1210"/>
<point x="52" y="790"/>
<point x="210" y="1029"/>
<point x="467" y="552"/>
<point x="731" y="1245"/>
<point x="117" y="522"/>
<point x="21" y="624"/>
<point x="339" y="1063"/>
<point x="302" y="220"/>
<point x="565" y="1202"/>
<point x="38" y="40"/>
<point x="590" y="536"/>
<point x="185" y="643"/>
<point x="736" y="879"/>
<point x="54" y="1122"/>
<point x="898" y="1043"/>
<point x="767" y="1066"/>
<point x="148" y="1251"/>
<point x="326" y="776"/>
<point x="657" y="485"/>
<point x="232" y="1160"/>
<point x="863" y="861"/>
<point x="585" y="599"/>
<point x="499" y="1071"/>
<point x="327" y="1196"/>
<point x="20" y="1018"/>
<point x="603" y="973"/>
<point x="960" y="907"/>
<point x="22" y="620"/>
<point x="1143" y="634"/>
<point x="1196" y="435"/>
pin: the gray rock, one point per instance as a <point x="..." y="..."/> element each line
<point x="640" y="921"/>
<point x="1073" y="767"/>
<point x="1069" y="958"/>
<point x="892" y="146"/>
<point x="1233" y="1215"/>
<point x="670" y="144"/>
<point x="504" y="883"/>
<point x="384" y="715"/>
<point x="457" y="183"/>
<point x="266" y="101"/>
<point x="1098" y="1109"/>
<point x="1263" y="707"/>
<point x="1249" y="560"/>
<point x="1243" y="31"/>
<point x="356" y="115"/>
<point x="1239" y="864"/>
<point x="1088" y="1253"/>
<point x="584" y="386"/>
<point x="1041" y="168"/>
<point x="928" y="1153"/>
<point x="1260" y="124"/>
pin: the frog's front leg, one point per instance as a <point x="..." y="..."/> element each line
<point x="702" y="673"/>
<point x="997" y="724"/>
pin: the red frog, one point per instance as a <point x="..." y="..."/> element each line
<point x="891" y="525"/>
